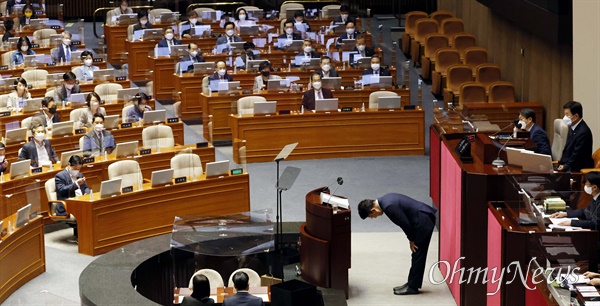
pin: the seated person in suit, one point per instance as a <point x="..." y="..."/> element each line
<point x="69" y="86"/>
<point x="98" y="140"/>
<point x="577" y="153"/>
<point x="200" y="294"/>
<point x="229" y="36"/>
<point x="299" y="19"/>
<point x="242" y="297"/>
<point x="62" y="53"/>
<point x="27" y="16"/>
<point x="169" y="39"/>
<point x="307" y="53"/>
<point x="16" y="99"/>
<point x="39" y="150"/>
<point x="192" y="22"/>
<point x="588" y="217"/>
<point x="47" y="116"/>
<point x="136" y="113"/>
<point x="188" y="61"/>
<point x="362" y="48"/>
<point x="249" y="54"/>
<point x="122" y="9"/>
<point x="350" y="33"/>
<point x="143" y="23"/>
<point x="536" y="133"/>
<point x="70" y="182"/>
<point x="260" y="82"/>
<point x="326" y="70"/>
<point x="344" y="15"/>
<point x="86" y="71"/>
<point x="220" y="73"/>
<point x="3" y="160"/>
<point x="10" y="4"/>
<point x="376" y="67"/>
<point x="241" y="19"/>
<point x="93" y="108"/>
<point x="289" y="32"/>
<point x="9" y="30"/>
<point x="23" y="48"/>
<point x="316" y="93"/>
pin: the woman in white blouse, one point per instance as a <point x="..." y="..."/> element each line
<point x="241" y="19"/>
<point x="16" y="99"/>
<point x="93" y="107"/>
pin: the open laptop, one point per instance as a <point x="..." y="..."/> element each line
<point x="348" y="44"/>
<point x="295" y="45"/>
<point x="110" y="188"/>
<point x="535" y="162"/>
<point x="19" y="168"/>
<point x="125" y="149"/>
<point x="111" y="122"/>
<point x="228" y="87"/>
<point x="217" y="168"/>
<point x="155" y="116"/>
<point x="23" y="215"/>
<point x="392" y="102"/>
<point x="277" y="85"/>
<point x="62" y="129"/>
<point x="76" y="56"/>
<point x="237" y="47"/>
<point x="39" y="23"/>
<point x="265" y="108"/>
<point x="152" y="34"/>
<point x="15" y="136"/>
<point x="204" y="68"/>
<point x="326" y="105"/>
<point x="29" y="60"/>
<point x="65" y="156"/>
<point x="78" y="99"/>
<point x="332" y="83"/>
<point x="200" y="30"/>
<point x="126" y="94"/>
<point x="127" y="19"/>
<point x="378" y="81"/>
<point x="179" y="50"/>
<point x="162" y="177"/>
<point x="32" y="105"/>
<point x="363" y="62"/>
<point x="54" y="79"/>
<point x="249" y="30"/>
<point x="103" y="75"/>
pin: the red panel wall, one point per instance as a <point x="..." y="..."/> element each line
<point x="434" y="167"/>
<point x="494" y="258"/>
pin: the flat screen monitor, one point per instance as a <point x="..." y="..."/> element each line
<point x="29" y="60"/>
<point x="162" y="177"/>
<point x="65" y="156"/>
<point x="253" y="65"/>
<point x="391" y="102"/>
<point x="249" y="30"/>
<point x="326" y="105"/>
<point x="363" y="62"/>
<point x="111" y="122"/>
<point x="332" y="83"/>
<point x="313" y="63"/>
<point x="23" y="216"/>
<point x="179" y="50"/>
<point x="127" y="19"/>
<point x="152" y="34"/>
<point x="110" y="188"/>
<point x="76" y="56"/>
<point x="377" y="81"/>
<point x="202" y="30"/>
<point x="265" y="108"/>
<point x="60" y="129"/>
<point x="125" y="149"/>
<point x="32" y="105"/>
<point x="217" y="168"/>
<point x="78" y="99"/>
<point x="15" y="136"/>
<point x="535" y="162"/>
<point x="155" y="116"/>
<point x="228" y="87"/>
<point x="54" y="79"/>
<point x="295" y="45"/>
<point x="19" y="168"/>
<point x="276" y="85"/>
<point x="204" y="68"/>
<point x="256" y="14"/>
<point x="39" y="23"/>
<point x="168" y="17"/>
<point x="236" y="47"/>
<point x="104" y="75"/>
<point x="348" y="44"/>
<point x="127" y="94"/>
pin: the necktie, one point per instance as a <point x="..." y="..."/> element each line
<point x="320" y="95"/>
<point x="376" y="72"/>
<point x="101" y="142"/>
<point x="68" y="53"/>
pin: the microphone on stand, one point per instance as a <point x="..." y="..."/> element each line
<point x="340" y="182"/>
<point x="504" y="128"/>
<point x="498" y="162"/>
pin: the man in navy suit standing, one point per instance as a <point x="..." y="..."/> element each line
<point x="169" y="39"/>
<point x="417" y="220"/>
<point x="577" y="153"/>
<point x="242" y="297"/>
<point x="536" y="133"/>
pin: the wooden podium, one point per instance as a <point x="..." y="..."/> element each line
<point x="325" y="244"/>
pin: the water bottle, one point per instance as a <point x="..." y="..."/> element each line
<point x="362" y="109"/>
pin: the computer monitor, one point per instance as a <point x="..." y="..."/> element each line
<point x="64" y="128"/>
<point x="363" y="63"/>
<point x="127" y="19"/>
<point x="236" y="47"/>
<point x="78" y="99"/>
<point x="152" y="34"/>
<point x="535" y="162"/>
<point x="265" y="108"/>
<point x="249" y="30"/>
<point x="514" y="156"/>
<point x="125" y="149"/>
<point x="162" y="177"/>
<point x="23" y="216"/>
<point x="110" y="188"/>
<point x="253" y="65"/>
<point x="65" y="156"/>
<point x="295" y="45"/>
<point x="76" y="56"/>
<point x="127" y="94"/>
<point x="179" y="50"/>
<point x="103" y="75"/>
<point x="15" y="136"/>
<point x="155" y="116"/>
<point x="204" y="68"/>
<point x="39" y="23"/>
<point x="54" y="79"/>
<point x="200" y="30"/>
<point x="378" y="81"/>
<point x="30" y="61"/>
<point x="332" y="83"/>
<point x="277" y="85"/>
<point x="312" y="63"/>
<point x="168" y="17"/>
<point x="228" y="87"/>
<point x="217" y="168"/>
<point x="326" y="105"/>
<point x="391" y="102"/>
<point x="32" y="105"/>
<point x="348" y="44"/>
<point x="19" y="168"/>
<point x="256" y="14"/>
<point x="111" y="122"/>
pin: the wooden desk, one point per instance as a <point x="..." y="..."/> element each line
<point x="106" y="224"/>
<point x="219" y="294"/>
<point x="115" y="36"/>
<point x="30" y="189"/>
<point x="335" y="135"/>
<point x="503" y="113"/>
<point x="22" y="256"/>
<point x="40" y="49"/>
<point x="220" y="106"/>
<point x="58" y="68"/>
<point x="39" y="92"/>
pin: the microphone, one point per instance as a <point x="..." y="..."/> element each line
<point x="498" y="162"/>
<point x="340" y="182"/>
<point x="504" y="128"/>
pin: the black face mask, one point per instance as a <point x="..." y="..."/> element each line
<point x="265" y="73"/>
<point x="52" y="110"/>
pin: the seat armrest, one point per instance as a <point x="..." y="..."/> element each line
<point x="52" y="209"/>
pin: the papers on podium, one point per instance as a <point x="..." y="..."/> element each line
<point x="333" y="200"/>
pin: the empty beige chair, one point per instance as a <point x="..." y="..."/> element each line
<point x="503" y="92"/>
<point x="456" y="76"/>
<point x="374" y="97"/>
<point x="424" y="27"/>
<point x="471" y="92"/>
<point x="130" y="32"/>
<point x="462" y="41"/>
<point x="440" y="16"/>
<point x="126" y="110"/>
<point x="289" y="6"/>
<point x="128" y="171"/>
<point x="109" y="17"/>
<point x="3" y="99"/>
<point x="26" y="123"/>
<point x="410" y="28"/>
<point x="75" y="116"/>
<point x="6" y="57"/>
<point x="49" y="93"/>
<point x="444" y="58"/>
<point x="3" y="6"/>
<point x="245" y="105"/>
<point x="81" y="140"/>
<point x="474" y="56"/>
<point x="35" y="77"/>
<point x="155" y="13"/>
<point x="452" y="26"/>
<point x="108" y="91"/>
<point x="158" y="136"/>
<point x="561" y="131"/>
<point x="214" y="278"/>
<point x="199" y="11"/>
<point x="186" y="164"/>
<point x="205" y="83"/>
<point x="254" y="278"/>
<point x="433" y="42"/>
<point x="488" y="74"/>
<point x="210" y="129"/>
<point x="42" y="36"/>
<point x="326" y="12"/>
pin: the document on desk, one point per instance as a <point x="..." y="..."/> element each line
<point x="574" y="278"/>
<point x="592" y="303"/>
<point x="557" y="221"/>
<point x="590" y="294"/>
<point x="586" y="288"/>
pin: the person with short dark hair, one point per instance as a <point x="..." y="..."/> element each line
<point x="249" y="54"/>
<point x="299" y="19"/>
<point x="86" y="71"/>
<point x="92" y="101"/>
<point x="588" y="217"/>
<point x="38" y="150"/>
<point x="63" y="51"/>
<point x="362" y="48"/>
<point x="192" y="22"/>
<point x="3" y="160"/>
<point x="28" y="14"/>
<point x="200" y="294"/>
<point x="169" y="39"/>
<point x="69" y="86"/>
<point x="47" y="115"/>
<point x="344" y="15"/>
<point x="229" y="36"/>
<point x="315" y="93"/>
<point x="70" y="182"/>
<point x="23" y="48"/>
<point x="194" y="56"/>
<point x="577" y="153"/>
<point x="18" y="97"/>
<point x="327" y="71"/>
<point x="9" y="30"/>
<point x="289" y="32"/>
<point x="350" y="32"/>
<point x="242" y="297"/>
<point x="98" y="140"/>
<point x="136" y="113"/>
<point x="260" y="81"/>
<point x="536" y="133"/>
<point x="417" y="220"/>
<point x="376" y="67"/>
<point x="143" y="23"/>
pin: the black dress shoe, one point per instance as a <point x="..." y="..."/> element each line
<point x="406" y="291"/>
<point x="400" y="287"/>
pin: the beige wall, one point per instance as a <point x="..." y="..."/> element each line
<point x="544" y="74"/>
<point x="586" y="62"/>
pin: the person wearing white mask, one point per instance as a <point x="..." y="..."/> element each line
<point x="327" y="70"/>
<point x="16" y="99"/>
<point x="23" y="48"/>
<point x="536" y="133"/>
<point x="289" y="33"/>
<point x="86" y="71"/>
<point x="63" y="51"/>
<point x="169" y="39"/>
<point x="229" y="36"/>
<point x="98" y="140"/>
<point x="93" y="108"/>
<point x="376" y="67"/>
<point x="143" y="23"/>
<point x="194" y="56"/>
<point x="344" y="15"/>
<point x="192" y="22"/>
<point x="70" y="182"/>
<point x="577" y="153"/>
<point x="38" y="150"/>
<point x="136" y="113"/>
<point x="362" y="48"/>
<point x="241" y="19"/>
<point x="3" y="160"/>
<point x="220" y="73"/>
<point x="69" y="86"/>
<point x="350" y="33"/>
<point x="315" y="93"/>
<point x="122" y="9"/>
<point x="587" y="217"/>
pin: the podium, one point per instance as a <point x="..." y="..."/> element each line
<point x="325" y="244"/>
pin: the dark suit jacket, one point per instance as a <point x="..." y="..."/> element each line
<point x="29" y="152"/>
<point x="539" y="136"/>
<point x="588" y="217"/>
<point x="332" y="73"/>
<point x="345" y="36"/>
<point x="369" y="51"/>
<point x="294" y="36"/>
<point x="223" y="39"/>
<point x="405" y="212"/>
<point x="23" y="19"/>
<point x="138" y="26"/>
<point x="577" y="153"/>
<point x="65" y="187"/>
<point x="63" y="91"/>
<point x="163" y="43"/>
<point x="303" y="21"/>
<point x="382" y="71"/>
<point x="188" y="31"/>
<point x="41" y="118"/>
<point x="308" y="99"/>
<point x="215" y="76"/>
<point x="190" y="301"/>
<point x="339" y="19"/>
<point x="243" y="299"/>
<point x="6" y="36"/>
<point x="253" y="56"/>
<point x="190" y="68"/>
<point x="60" y="53"/>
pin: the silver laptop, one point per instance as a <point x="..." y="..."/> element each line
<point x="363" y="63"/>
<point x="162" y="177"/>
<point x="249" y="30"/>
<point x="111" y="122"/>
<point x="253" y="65"/>
<point x="54" y="79"/>
<point x="126" y="94"/>
<point x="217" y="168"/>
<point x="23" y="215"/>
<point x="62" y="129"/>
<point x="383" y="82"/>
<point x="236" y="47"/>
<point x="32" y="105"/>
<point x="200" y="30"/>
<point x="29" y="60"/>
<point x="179" y="50"/>
<point x="19" y="168"/>
<point x="265" y="108"/>
<point x="76" y="56"/>
<point x="152" y="34"/>
<point x="65" y="156"/>
<point x="534" y="162"/>
<point x="277" y="85"/>
<point x="326" y="105"/>
<point x="514" y="156"/>
<point x="228" y="87"/>
<point x="392" y="102"/>
<point x="125" y="149"/>
<point x="155" y="116"/>
<point x="204" y="68"/>
<point x="15" y="136"/>
<point x="332" y="83"/>
<point x="313" y="63"/>
<point x="38" y="23"/>
<point x="110" y="188"/>
<point x="79" y="98"/>
<point x="127" y="19"/>
<point x="103" y="75"/>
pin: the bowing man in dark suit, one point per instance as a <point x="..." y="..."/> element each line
<point x="326" y="70"/>
<point x="220" y="73"/>
<point x="193" y="57"/>
<point x="70" y="182"/>
<point x="577" y="153"/>
<point x="201" y="292"/>
<point x="376" y="67"/>
<point x="169" y="39"/>
<point x="536" y="133"/>
<point x="39" y="150"/>
<point x="192" y="22"/>
<point x="344" y="15"/>
<point x="309" y="97"/>
<point x="350" y="32"/>
<point x="242" y="297"/>
<point x="417" y="220"/>
<point x="362" y="48"/>
<point x="588" y="217"/>
<point x="63" y="51"/>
